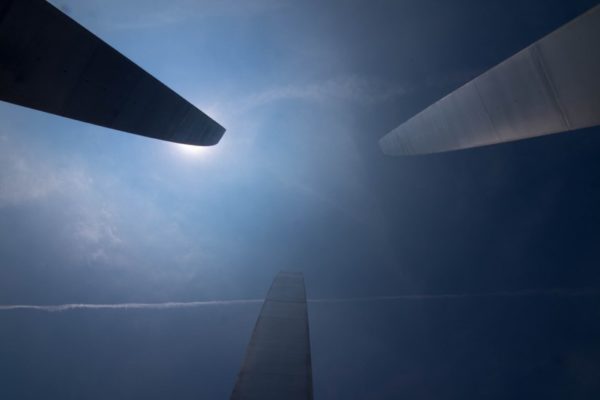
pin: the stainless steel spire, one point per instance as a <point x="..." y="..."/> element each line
<point x="51" y="63"/>
<point x="277" y="364"/>
<point x="551" y="86"/>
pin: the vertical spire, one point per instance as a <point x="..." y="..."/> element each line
<point x="551" y="86"/>
<point x="50" y="63"/>
<point x="277" y="364"/>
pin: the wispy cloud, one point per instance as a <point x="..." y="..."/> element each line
<point x="350" y="88"/>
<point x="192" y="304"/>
<point x="90" y="224"/>
<point x="22" y="179"/>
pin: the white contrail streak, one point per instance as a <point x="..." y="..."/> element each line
<point x="124" y="306"/>
<point x="454" y="296"/>
<point x="191" y="304"/>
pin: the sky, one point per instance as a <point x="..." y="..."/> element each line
<point x="497" y="246"/>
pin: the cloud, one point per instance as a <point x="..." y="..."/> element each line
<point x="111" y="221"/>
<point x="89" y="226"/>
<point x="355" y="89"/>
<point x="22" y="179"/>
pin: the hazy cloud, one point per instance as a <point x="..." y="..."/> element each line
<point x="22" y="179"/>
<point x="102" y="220"/>
<point x="355" y="89"/>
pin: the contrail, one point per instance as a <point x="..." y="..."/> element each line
<point x="124" y="306"/>
<point x="454" y="296"/>
<point x="191" y="304"/>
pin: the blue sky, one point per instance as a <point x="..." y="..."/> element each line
<point x="305" y="89"/>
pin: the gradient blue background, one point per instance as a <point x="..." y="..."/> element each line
<point x="305" y="89"/>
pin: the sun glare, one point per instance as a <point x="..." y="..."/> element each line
<point x="192" y="151"/>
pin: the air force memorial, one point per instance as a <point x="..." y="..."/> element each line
<point x="549" y="87"/>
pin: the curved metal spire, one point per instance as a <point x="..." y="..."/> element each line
<point x="551" y="86"/>
<point x="51" y="63"/>
<point x="278" y="364"/>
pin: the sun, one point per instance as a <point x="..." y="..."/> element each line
<point x="192" y="151"/>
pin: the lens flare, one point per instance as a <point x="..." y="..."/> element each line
<point x="193" y="151"/>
